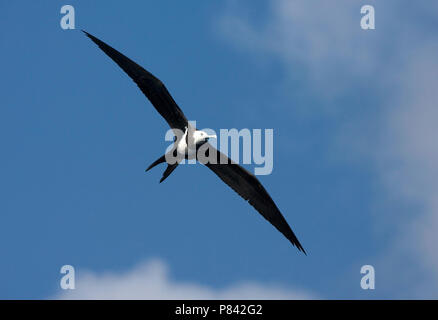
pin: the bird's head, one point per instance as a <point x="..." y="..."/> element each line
<point x="202" y="137"/>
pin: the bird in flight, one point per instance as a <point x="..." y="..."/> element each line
<point x="189" y="140"/>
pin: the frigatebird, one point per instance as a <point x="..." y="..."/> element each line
<point x="239" y="179"/>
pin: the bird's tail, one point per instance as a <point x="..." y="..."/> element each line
<point x="157" y="162"/>
<point x="169" y="169"/>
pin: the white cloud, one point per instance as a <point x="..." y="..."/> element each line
<point x="321" y="36"/>
<point x="399" y="59"/>
<point x="150" y="280"/>
<point x="409" y="165"/>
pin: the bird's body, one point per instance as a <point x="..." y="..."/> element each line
<point x="188" y="145"/>
<point x="189" y="140"/>
<point x="182" y="147"/>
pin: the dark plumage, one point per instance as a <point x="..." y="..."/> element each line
<point x="235" y="176"/>
<point x="152" y="87"/>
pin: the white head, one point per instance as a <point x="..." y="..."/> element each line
<point x="201" y="137"/>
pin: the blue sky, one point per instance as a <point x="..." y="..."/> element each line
<point x="354" y="159"/>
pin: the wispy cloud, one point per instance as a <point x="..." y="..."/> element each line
<point x="409" y="161"/>
<point x="323" y="37"/>
<point x="151" y="280"/>
<point x="398" y="63"/>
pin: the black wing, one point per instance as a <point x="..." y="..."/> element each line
<point x="152" y="87"/>
<point x="250" y="189"/>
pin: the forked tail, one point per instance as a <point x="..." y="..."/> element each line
<point x="169" y="169"/>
